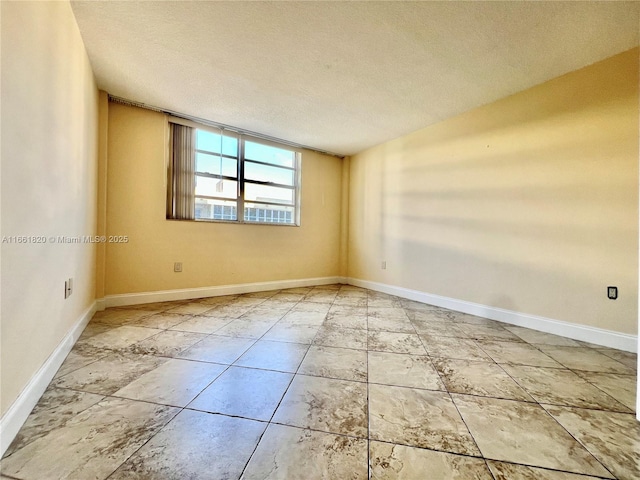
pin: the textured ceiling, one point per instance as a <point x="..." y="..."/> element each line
<point x="342" y="76"/>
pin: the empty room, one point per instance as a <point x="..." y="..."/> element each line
<point x="319" y="240"/>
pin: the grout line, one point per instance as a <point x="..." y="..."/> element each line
<point x="577" y="440"/>
<point x="486" y="464"/>
<point x="451" y="398"/>
<point x="549" y="469"/>
<point x="270" y="421"/>
<point x="144" y="443"/>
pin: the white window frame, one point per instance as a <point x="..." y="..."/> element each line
<point x="240" y="178"/>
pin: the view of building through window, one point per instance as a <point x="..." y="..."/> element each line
<point x="235" y="174"/>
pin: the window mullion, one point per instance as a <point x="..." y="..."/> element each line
<point x="240" y="178"/>
<point x="272" y="184"/>
<point x="297" y="182"/>
<point x="215" y="154"/>
<point x="213" y="175"/>
<point x="270" y="164"/>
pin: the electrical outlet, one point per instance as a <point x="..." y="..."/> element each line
<point x="68" y="288"/>
<point x="177" y="267"/>
<point x="612" y="292"/>
<point x="384" y="265"/>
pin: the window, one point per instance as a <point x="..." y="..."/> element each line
<point x="221" y="175"/>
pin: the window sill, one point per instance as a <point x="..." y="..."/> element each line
<point x="234" y="222"/>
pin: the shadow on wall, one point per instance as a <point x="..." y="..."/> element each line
<point x="526" y="286"/>
<point x="531" y="237"/>
<point x="529" y="203"/>
<point x="525" y="145"/>
<point x="558" y="101"/>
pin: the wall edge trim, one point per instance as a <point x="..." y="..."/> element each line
<point x="585" y="333"/>
<point x="126" y="299"/>
<point x="17" y="414"/>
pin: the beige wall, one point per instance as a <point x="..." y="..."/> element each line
<point x="212" y="254"/>
<point x="528" y="204"/>
<point x="49" y="151"/>
<point x="101" y="220"/>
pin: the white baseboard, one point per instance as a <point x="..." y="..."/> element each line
<point x="100" y="304"/>
<point x="201" y="292"/>
<point x="585" y="333"/>
<point x="17" y="414"/>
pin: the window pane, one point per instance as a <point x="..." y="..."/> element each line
<point x="206" y="163"/>
<point x="254" y="212"/>
<point x="208" y="209"/>
<point x="212" y="187"/>
<point x="263" y="193"/>
<point x="210" y="142"/>
<point x="273" y="155"/>
<point x="265" y="173"/>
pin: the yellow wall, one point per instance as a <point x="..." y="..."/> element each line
<point x="528" y="204"/>
<point x="49" y="152"/>
<point x="344" y="218"/>
<point x="212" y="254"/>
<point x="101" y="204"/>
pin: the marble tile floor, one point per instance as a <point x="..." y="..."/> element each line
<point x="329" y="382"/>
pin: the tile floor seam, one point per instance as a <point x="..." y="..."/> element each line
<point x="144" y="443"/>
<point x="227" y="415"/>
<point x="431" y="449"/>
<point x="629" y="410"/>
<point x="573" y="407"/>
<point x="486" y="464"/>
<point x="537" y="402"/>
<point x="552" y="469"/>
<point x="270" y="421"/>
<point x="453" y="401"/>
<point x="185" y="407"/>
<point x="407" y="387"/>
<point x="76" y="369"/>
<point x="604" y="352"/>
<point x="585" y="447"/>
<point x="563" y="405"/>
<point x="557" y="422"/>
<point x="346" y="435"/>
